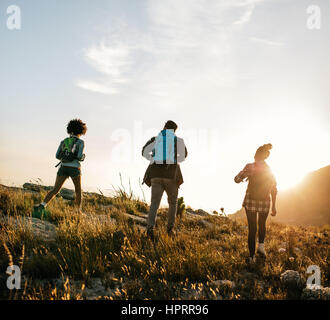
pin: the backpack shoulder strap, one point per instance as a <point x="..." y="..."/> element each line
<point x="175" y="149"/>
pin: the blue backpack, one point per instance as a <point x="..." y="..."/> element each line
<point x="165" y="149"/>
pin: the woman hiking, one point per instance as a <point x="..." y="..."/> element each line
<point x="70" y="153"/>
<point x="260" y="191"/>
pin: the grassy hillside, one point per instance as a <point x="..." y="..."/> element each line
<point x="309" y="202"/>
<point x="105" y="253"/>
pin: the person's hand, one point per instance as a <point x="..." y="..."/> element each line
<point x="273" y="211"/>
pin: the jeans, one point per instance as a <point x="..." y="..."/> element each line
<point x="158" y="186"/>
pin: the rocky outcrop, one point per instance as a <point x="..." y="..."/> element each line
<point x="65" y="193"/>
<point x="199" y="212"/>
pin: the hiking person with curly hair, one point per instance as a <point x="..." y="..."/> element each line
<point x="261" y="191"/>
<point x="70" y="153"/>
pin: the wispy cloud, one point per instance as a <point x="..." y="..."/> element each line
<point x="267" y="42"/>
<point x="246" y="16"/>
<point x="248" y="6"/>
<point x="100" y="87"/>
<point x="186" y="45"/>
<point x="110" y="60"/>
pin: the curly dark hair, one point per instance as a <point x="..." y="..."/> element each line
<point x="76" y="127"/>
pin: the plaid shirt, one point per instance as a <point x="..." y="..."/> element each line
<point x="257" y="197"/>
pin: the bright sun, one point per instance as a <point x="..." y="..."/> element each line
<point x="299" y="145"/>
<point x="291" y="164"/>
<point x="288" y="178"/>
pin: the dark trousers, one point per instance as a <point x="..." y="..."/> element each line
<point x="252" y="223"/>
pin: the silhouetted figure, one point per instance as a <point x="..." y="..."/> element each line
<point x="70" y="153"/>
<point x="260" y="191"/>
<point x="164" y="152"/>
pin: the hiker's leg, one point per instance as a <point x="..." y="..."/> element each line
<point x="57" y="187"/>
<point x="252" y="223"/>
<point x="157" y="190"/>
<point x="77" y="187"/>
<point x="262" y="227"/>
<point x="171" y="189"/>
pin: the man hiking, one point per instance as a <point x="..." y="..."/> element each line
<point x="70" y="153"/>
<point x="164" y="152"/>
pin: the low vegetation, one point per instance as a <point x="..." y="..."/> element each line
<point x="206" y="259"/>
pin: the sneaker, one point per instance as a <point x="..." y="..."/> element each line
<point x="40" y="212"/>
<point x="252" y="260"/>
<point x="261" y="249"/>
<point x="37" y="210"/>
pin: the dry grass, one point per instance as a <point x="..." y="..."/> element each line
<point x="115" y="250"/>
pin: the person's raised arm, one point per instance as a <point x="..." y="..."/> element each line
<point x="242" y="174"/>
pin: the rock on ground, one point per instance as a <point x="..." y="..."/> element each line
<point x="198" y="212"/>
<point x="44" y="229"/>
<point x="316" y="293"/>
<point x="292" y="279"/>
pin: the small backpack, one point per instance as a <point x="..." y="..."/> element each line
<point x="69" y="149"/>
<point x="164" y="151"/>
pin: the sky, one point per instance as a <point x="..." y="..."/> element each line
<point x="233" y="74"/>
